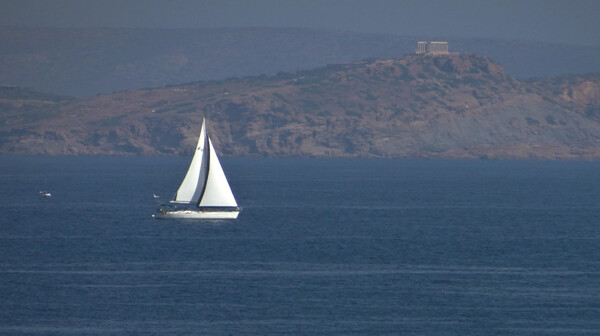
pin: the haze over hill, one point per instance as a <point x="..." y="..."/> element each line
<point x="83" y="62"/>
<point x="435" y="106"/>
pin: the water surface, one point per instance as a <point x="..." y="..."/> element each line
<point x="322" y="247"/>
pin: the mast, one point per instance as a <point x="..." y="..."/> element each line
<point x="194" y="182"/>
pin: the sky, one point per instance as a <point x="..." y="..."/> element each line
<point x="557" y="21"/>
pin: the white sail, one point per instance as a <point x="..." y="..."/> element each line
<point x="217" y="192"/>
<point x="193" y="183"/>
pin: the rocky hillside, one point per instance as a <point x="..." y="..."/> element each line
<point x="446" y="106"/>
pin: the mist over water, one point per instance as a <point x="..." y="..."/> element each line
<point x="322" y="247"/>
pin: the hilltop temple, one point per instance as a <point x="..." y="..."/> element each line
<point x="432" y="48"/>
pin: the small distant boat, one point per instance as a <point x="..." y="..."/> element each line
<point x="155" y="196"/>
<point x="45" y="193"/>
<point x="204" y="192"/>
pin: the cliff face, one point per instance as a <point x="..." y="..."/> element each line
<point x="451" y="106"/>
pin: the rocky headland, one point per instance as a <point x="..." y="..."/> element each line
<point x="428" y="106"/>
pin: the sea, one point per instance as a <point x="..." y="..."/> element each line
<point x="321" y="247"/>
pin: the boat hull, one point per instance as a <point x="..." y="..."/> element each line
<point x="197" y="214"/>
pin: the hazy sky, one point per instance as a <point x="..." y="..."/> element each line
<point x="561" y="21"/>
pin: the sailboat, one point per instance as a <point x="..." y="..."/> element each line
<point x="204" y="192"/>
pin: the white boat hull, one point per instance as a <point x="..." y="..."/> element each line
<point x="197" y="214"/>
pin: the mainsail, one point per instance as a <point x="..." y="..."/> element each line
<point x="205" y="184"/>
<point x="217" y="192"/>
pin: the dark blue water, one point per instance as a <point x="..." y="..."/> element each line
<point x="322" y="247"/>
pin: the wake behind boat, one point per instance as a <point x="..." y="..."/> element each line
<point x="204" y="192"/>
